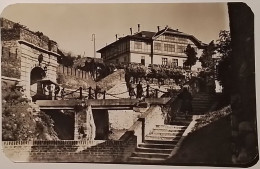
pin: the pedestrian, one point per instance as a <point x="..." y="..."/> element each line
<point x="186" y="105"/>
<point x="131" y="90"/>
<point x="139" y="92"/>
<point x="62" y="93"/>
<point x="49" y="89"/>
<point x="56" y="91"/>
<point x="127" y="78"/>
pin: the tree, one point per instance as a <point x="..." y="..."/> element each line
<point x="206" y="57"/>
<point x="191" y="53"/>
<point x="224" y="65"/>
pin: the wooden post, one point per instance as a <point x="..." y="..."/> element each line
<point x="80" y="93"/>
<point x="156" y="93"/>
<point x="104" y="96"/>
<point x="96" y="93"/>
<point x="89" y="92"/>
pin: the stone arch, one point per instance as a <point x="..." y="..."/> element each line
<point x="37" y="73"/>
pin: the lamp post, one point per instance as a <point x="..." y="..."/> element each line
<point x="94" y="40"/>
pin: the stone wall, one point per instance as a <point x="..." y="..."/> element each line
<point x="69" y="151"/>
<point x="122" y="119"/>
<point x="11" y="59"/>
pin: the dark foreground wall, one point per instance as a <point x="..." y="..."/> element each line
<point x="243" y="96"/>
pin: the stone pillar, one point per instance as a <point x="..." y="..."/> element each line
<point x="85" y="128"/>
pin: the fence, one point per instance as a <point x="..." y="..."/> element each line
<point x="70" y="71"/>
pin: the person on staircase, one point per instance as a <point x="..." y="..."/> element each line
<point x="186" y="105"/>
<point x="56" y="91"/>
<point x="139" y="90"/>
<point x="131" y="90"/>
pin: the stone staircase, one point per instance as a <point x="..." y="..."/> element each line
<point x="202" y="102"/>
<point x="159" y="144"/>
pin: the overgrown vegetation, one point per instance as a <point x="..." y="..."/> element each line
<point x="19" y="121"/>
<point x="224" y="66"/>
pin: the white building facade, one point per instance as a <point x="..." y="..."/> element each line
<point x="165" y="47"/>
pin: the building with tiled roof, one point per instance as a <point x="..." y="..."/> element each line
<point x="165" y="47"/>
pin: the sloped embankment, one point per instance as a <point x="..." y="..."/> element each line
<point x="111" y="80"/>
<point x="72" y="82"/>
<point x="209" y="142"/>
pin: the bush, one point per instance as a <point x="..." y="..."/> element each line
<point x="18" y="121"/>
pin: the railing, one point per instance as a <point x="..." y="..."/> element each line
<point x="70" y="71"/>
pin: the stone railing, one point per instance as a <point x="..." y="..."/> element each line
<point x="70" y="71"/>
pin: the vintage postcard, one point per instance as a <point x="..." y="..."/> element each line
<point x="129" y="83"/>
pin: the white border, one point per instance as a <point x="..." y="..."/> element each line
<point x="255" y="6"/>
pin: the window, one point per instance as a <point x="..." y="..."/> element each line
<point x="164" y="61"/>
<point x="169" y="38"/>
<point x="182" y="40"/>
<point x="181" y="49"/>
<point x="138" y="45"/>
<point x="169" y="47"/>
<point x="157" y="46"/>
<point x="174" y="62"/>
<point x="143" y="60"/>
<point x="125" y="59"/>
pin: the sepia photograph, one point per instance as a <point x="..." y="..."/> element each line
<point x="162" y="84"/>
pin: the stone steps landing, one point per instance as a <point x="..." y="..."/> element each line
<point x="158" y="145"/>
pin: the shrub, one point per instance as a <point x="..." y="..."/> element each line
<point x="18" y="121"/>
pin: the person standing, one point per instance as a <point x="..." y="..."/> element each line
<point x="139" y="92"/>
<point x="56" y="91"/>
<point x="49" y="89"/>
<point x="186" y="105"/>
<point x="131" y="90"/>
<point x="62" y="93"/>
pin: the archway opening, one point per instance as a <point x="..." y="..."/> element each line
<point x="37" y="73"/>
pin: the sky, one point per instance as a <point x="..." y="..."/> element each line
<point x="72" y="25"/>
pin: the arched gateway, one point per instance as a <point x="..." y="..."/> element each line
<point x="37" y="73"/>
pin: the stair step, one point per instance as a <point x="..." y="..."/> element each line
<point x="153" y="150"/>
<point x="159" y="137"/>
<point x="168" y="130"/>
<point x="165" y="133"/>
<point x="159" y="146"/>
<point x="152" y="141"/>
<point x="171" y="127"/>
<point x="180" y="123"/>
<point x="150" y="155"/>
<point x="145" y="160"/>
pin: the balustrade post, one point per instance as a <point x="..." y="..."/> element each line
<point x="89" y="92"/>
<point x="80" y="93"/>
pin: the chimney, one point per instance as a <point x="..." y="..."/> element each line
<point x="138" y="27"/>
<point x="158" y="27"/>
<point x="131" y="31"/>
<point x="116" y="36"/>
